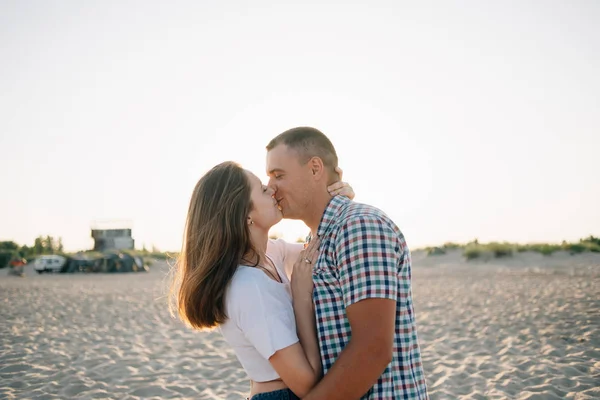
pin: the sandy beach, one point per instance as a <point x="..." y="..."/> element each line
<point x="524" y="327"/>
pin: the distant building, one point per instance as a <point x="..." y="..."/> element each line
<point x="112" y="239"/>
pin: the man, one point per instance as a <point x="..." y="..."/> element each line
<point x="362" y="278"/>
<point x="17" y="265"/>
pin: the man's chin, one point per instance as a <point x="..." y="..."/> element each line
<point x="289" y="215"/>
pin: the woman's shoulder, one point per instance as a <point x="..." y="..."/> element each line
<point x="282" y="248"/>
<point x="245" y="278"/>
<point x="252" y="291"/>
<point x="250" y="281"/>
<point x="276" y="247"/>
<point x="244" y="285"/>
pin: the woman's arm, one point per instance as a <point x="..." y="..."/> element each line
<point x="340" y="187"/>
<point x="292" y="250"/>
<point x="299" y="366"/>
<point x="307" y="331"/>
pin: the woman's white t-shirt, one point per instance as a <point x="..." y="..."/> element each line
<point x="260" y="313"/>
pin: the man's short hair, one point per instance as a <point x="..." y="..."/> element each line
<point x="308" y="143"/>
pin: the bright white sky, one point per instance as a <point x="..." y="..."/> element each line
<point x="462" y="120"/>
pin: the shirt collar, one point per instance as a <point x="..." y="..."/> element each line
<point x="331" y="213"/>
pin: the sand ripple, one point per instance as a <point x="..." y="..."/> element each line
<point x="486" y="331"/>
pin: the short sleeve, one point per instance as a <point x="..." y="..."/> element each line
<point x="284" y="254"/>
<point x="276" y="250"/>
<point x="369" y="256"/>
<point x="265" y="315"/>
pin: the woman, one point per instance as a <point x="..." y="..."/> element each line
<point x="231" y="276"/>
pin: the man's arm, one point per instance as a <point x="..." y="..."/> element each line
<point x="367" y="354"/>
<point x="368" y="256"/>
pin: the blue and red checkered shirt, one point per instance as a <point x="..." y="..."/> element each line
<point x="364" y="255"/>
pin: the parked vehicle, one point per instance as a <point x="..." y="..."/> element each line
<point x="50" y="263"/>
<point x="108" y="262"/>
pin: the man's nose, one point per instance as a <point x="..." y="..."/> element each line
<point x="271" y="185"/>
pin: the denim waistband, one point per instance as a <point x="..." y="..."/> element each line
<point x="283" y="394"/>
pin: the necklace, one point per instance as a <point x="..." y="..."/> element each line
<point x="275" y="276"/>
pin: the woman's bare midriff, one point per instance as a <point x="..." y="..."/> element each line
<point x="264" y="387"/>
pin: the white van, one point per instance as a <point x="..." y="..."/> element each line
<point x="51" y="263"/>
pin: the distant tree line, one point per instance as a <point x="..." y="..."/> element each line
<point x="42" y="245"/>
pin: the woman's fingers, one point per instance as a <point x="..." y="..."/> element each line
<point x="340" y="172"/>
<point x="302" y="279"/>
<point x="313" y="245"/>
<point x="341" y="188"/>
<point x="309" y="253"/>
<point x="312" y="252"/>
<point x="307" y="257"/>
<point x="336" y="186"/>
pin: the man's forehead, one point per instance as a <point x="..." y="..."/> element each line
<point x="274" y="168"/>
<point x="280" y="150"/>
<point x="280" y="158"/>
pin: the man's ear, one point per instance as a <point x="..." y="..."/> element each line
<point x="316" y="166"/>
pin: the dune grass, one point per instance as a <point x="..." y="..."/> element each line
<point x="474" y="250"/>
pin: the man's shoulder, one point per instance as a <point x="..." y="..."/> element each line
<point x="364" y="212"/>
<point x="367" y="216"/>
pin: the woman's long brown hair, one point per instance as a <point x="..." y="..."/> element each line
<point x="216" y="237"/>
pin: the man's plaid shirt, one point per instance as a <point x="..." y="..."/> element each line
<point x="364" y="255"/>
